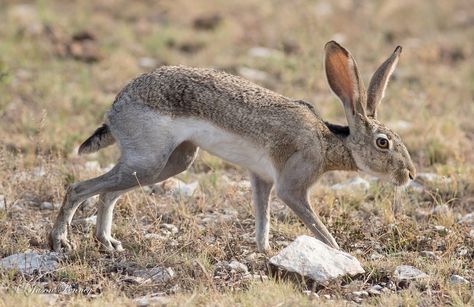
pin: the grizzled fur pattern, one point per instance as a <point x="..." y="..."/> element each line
<point x="160" y="119"/>
<point x="230" y="102"/>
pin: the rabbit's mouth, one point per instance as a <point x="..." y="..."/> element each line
<point x="401" y="177"/>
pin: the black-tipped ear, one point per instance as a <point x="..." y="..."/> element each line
<point x="379" y="81"/>
<point x="343" y="78"/>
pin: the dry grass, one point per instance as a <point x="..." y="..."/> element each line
<point x="50" y="101"/>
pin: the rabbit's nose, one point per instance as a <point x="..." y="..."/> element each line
<point x="411" y="173"/>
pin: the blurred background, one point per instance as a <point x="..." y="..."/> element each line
<point x="63" y="62"/>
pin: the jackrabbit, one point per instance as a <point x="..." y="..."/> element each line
<point x="161" y="118"/>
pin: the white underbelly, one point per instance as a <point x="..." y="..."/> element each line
<point x="228" y="146"/>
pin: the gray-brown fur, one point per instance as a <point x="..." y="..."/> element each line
<point x="281" y="124"/>
<point x="159" y="119"/>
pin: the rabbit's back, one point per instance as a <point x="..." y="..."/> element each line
<point x="224" y="100"/>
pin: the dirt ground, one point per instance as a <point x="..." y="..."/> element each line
<point x="63" y="62"/>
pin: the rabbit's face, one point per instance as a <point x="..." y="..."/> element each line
<point x="379" y="151"/>
<point x="375" y="148"/>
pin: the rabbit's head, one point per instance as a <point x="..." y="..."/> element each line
<point x="376" y="149"/>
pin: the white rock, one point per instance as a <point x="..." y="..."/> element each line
<point x="156" y="274"/>
<point x="186" y="190"/>
<point x="375" y="290"/>
<point x="471" y="233"/>
<point x="92" y="166"/>
<point x="2" y="203"/>
<point x="216" y="218"/>
<point x="407" y="272"/>
<point x="169" y="227"/>
<point x="361" y="293"/>
<point x="462" y="251"/>
<point x="416" y="187"/>
<point x="458" y="280"/>
<point x="430" y="178"/>
<point x="91" y="220"/>
<point x="441" y="210"/>
<point x="238" y="267"/>
<point x="166" y="187"/>
<point x="312" y="258"/>
<point x="252" y="74"/>
<point x="175" y="187"/>
<point x="243" y="185"/>
<point x="400" y="125"/>
<point x="46" y="206"/>
<point x="88" y="221"/>
<point x="353" y="184"/>
<point x="467" y="219"/>
<point x="440" y="229"/>
<point x="251" y="257"/>
<point x="154" y="236"/>
<point x="38" y="172"/>
<point x="262" y="52"/>
<point x="147" y="62"/>
<point x="28" y="263"/>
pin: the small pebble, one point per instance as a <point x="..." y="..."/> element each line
<point x="441" y="210"/>
<point x="375" y="290"/>
<point x="147" y="62"/>
<point x="458" y="280"/>
<point x="2" y="202"/>
<point x="407" y="272"/>
<point x="440" y="229"/>
<point x="46" y="206"/>
<point x="462" y="251"/>
<point x="238" y="267"/>
<point x="170" y="227"/>
<point x="376" y="256"/>
<point x="428" y="254"/>
<point x="361" y="293"/>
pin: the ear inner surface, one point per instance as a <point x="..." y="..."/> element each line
<point x="343" y="78"/>
<point x="379" y="81"/>
<point x="339" y="75"/>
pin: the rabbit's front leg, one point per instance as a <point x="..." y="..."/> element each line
<point x="292" y="187"/>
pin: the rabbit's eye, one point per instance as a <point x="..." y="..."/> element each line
<point x="382" y="143"/>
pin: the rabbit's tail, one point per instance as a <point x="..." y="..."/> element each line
<point x="101" y="138"/>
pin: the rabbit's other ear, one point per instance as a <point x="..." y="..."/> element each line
<point x="379" y="81"/>
<point x="343" y="78"/>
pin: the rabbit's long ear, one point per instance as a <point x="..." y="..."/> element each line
<point x="343" y="78"/>
<point x="379" y="81"/>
